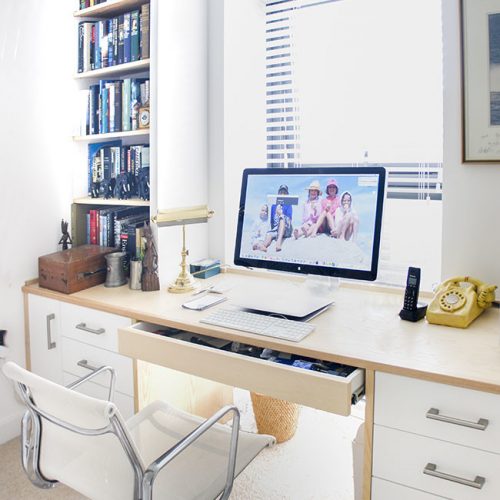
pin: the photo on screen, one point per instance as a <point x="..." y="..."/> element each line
<point x="310" y="219"/>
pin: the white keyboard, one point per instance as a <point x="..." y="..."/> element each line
<point x="260" y="324"/>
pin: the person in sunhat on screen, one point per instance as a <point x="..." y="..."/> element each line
<point x="311" y="211"/>
<point x="329" y="205"/>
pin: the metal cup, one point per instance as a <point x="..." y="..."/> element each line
<point x="115" y="272"/>
<point x="135" y="275"/>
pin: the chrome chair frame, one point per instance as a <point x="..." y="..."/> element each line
<point x="31" y="435"/>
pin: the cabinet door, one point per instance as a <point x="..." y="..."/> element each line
<point x="44" y="329"/>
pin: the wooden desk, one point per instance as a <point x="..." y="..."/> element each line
<point x="362" y="329"/>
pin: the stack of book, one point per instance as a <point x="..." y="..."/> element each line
<point x="118" y="40"/>
<point x="120" y="227"/>
<point x="116" y="171"/>
<point x="85" y="4"/>
<point x="115" y="106"/>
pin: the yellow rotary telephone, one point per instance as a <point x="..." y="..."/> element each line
<point x="459" y="301"/>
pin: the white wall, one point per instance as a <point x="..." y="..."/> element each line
<point x="37" y="62"/>
<point x="181" y="141"/>
<point x="241" y="96"/>
<point x="471" y="201"/>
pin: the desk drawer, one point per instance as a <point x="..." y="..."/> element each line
<point x="401" y="457"/>
<point x="385" y="490"/>
<point x="91" y="326"/>
<point x="124" y="403"/>
<point x="403" y="403"/>
<point x="318" y="390"/>
<point x="74" y="352"/>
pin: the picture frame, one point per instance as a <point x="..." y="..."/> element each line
<point x="480" y="20"/>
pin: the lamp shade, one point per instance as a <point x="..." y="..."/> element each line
<point x="179" y="216"/>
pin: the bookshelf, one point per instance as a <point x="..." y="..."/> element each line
<point x="118" y="70"/>
<point x="102" y="47"/>
<point x="109" y="8"/>
<point x="140" y="134"/>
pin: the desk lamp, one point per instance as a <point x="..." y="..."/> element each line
<point x="177" y="217"/>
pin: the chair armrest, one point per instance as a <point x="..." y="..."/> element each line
<point x="157" y="465"/>
<point x="94" y="373"/>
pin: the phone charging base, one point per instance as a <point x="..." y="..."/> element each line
<point x="415" y="315"/>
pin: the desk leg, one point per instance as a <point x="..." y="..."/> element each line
<point x="367" y="467"/>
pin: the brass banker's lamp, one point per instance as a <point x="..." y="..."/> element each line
<point x="177" y="217"/>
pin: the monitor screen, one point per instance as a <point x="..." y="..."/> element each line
<point x="319" y="220"/>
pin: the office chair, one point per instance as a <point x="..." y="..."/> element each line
<point x="84" y="442"/>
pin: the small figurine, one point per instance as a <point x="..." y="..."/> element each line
<point x="150" y="280"/>
<point x="122" y="187"/>
<point x="65" y="238"/>
<point x="143" y="185"/>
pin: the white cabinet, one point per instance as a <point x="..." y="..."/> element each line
<point x="44" y="335"/>
<point x="69" y="341"/>
<point x="435" y="439"/>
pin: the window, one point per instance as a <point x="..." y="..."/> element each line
<point x="354" y="82"/>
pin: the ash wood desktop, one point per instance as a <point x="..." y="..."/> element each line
<point x="362" y="329"/>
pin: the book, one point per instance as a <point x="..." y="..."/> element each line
<point x="135" y="53"/>
<point x="144" y="31"/>
<point x="126" y="37"/>
<point x="121" y="20"/>
<point x="126" y="125"/>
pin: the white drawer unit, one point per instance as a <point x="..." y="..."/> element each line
<point x="434" y="466"/>
<point x="91" y="326"/>
<point x="462" y="416"/>
<point x="124" y="403"/>
<point x="255" y="374"/>
<point x="80" y="359"/>
<point x="385" y="490"/>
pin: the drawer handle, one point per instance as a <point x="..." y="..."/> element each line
<point x="430" y="470"/>
<point x="85" y="364"/>
<point x="50" y="343"/>
<point x="480" y="425"/>
<point x="85" y="328"/>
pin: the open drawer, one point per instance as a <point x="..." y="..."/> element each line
<point x="311" y="388"/>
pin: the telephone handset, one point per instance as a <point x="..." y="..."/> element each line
<point x="459" y="301"/>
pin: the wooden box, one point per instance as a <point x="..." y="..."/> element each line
<point x="75" y="269"/>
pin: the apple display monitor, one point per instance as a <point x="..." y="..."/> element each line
<point x="319" y="220"/>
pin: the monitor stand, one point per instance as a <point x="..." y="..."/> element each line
<point x="289" y="298"/>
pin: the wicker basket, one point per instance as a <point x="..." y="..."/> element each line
<point x="275" y="417"/>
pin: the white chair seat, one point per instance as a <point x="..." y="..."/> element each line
<point x="83" y="441"/>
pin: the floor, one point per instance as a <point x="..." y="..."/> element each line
<point x="316" y="464"/>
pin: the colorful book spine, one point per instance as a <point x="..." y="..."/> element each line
<point x="126" y="38"/>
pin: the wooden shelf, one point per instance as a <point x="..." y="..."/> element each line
<point x="134" y="202"/>
<point x="109" y="8"/>
<point x="119" y="69"/>
<point x="143" y="132"/>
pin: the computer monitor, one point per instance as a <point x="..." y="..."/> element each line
<point x="319" y="220"/>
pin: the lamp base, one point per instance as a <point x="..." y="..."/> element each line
<point x="184" y="283"/>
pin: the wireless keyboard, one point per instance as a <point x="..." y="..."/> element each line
<point x="270" y="326"/>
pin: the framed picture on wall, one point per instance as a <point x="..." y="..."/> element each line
<point x="481" y="80"/>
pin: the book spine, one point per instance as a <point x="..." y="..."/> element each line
<point x="105" y="110"/>
<point x="103" y="31"/>
<point x="87" y="227"/>
<point x="97" y="46"/>
<point x="111" y="94"/>
<point x="111" y="61"/>
<point x="134" y="36"/>
<point x="120" y="39"/>
<point x="115" y="40"/>
<point x="93" y="227"/>
<point x="92" y="46"/>
<point x="144" y="31"/>
<point x="126" y="104"/>
<point x="118" y="106"/>
<point x="134" y="103"/>
<point x="81" y="45"/>
<point x="126" y="37"/>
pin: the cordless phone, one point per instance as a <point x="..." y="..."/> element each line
<point x="412" y="289"/>
<point x="411" y="310"/>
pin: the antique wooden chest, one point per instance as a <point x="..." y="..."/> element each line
<point x="75" y="269"/>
